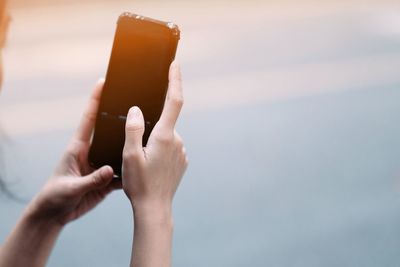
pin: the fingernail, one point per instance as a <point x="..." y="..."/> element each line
<point x="106" y="170"/>
<point x="103" y="172"/>
<point x="133" y="113"/>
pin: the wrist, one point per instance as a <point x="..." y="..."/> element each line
<point x="153" y="228"/>
<point x="31" y="240"/>
<point x="153" y="212"/>
<point x="41" y="218"/>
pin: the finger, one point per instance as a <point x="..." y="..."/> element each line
<point x="134" y="130"/>
<point x="174" y="100"/>
<point x="96" y="180"/>
<point x="85" y="128"/>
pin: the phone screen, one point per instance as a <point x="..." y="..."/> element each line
<point x="137" y="76"/>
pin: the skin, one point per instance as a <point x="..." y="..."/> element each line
<point x="151" y="176"/>
<point x="74" y="189"/>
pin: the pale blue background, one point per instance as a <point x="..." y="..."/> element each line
<point x="307" y="179"/>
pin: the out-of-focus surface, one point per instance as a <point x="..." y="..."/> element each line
<point x="290" y="122"/>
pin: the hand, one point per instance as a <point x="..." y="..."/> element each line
<point x="151" y="174"/>
<point x="75" y="187"/>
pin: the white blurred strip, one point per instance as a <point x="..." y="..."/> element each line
<point x="386" y="23"/>
<point x="225" y="92"/>
<point x="290" y="82"/>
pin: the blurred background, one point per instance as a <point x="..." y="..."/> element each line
<point x="291" y="123"/>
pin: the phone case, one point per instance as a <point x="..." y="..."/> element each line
<point x="109" y="135"/>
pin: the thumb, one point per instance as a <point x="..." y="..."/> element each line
<point x="97" y="179"/>
<point x="134" y="131"/>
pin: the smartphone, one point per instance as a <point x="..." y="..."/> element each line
<point x="137" y="75"/>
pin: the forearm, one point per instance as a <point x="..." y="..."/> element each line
<point x="30" y="242"/>
<point x="152" y="242"/>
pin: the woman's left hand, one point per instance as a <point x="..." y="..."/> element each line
<point x="75" y="187"/>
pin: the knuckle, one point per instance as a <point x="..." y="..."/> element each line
<point x="97" y="179"/>
<point x="179" y="142"/>
<point x="177" y="100"/>
<point x="129" y="155"/>
<point x="126" y="155"/>
<point x="178" y="139"/>
<point x="164" y="138"/>
<point x="134" y="127"/>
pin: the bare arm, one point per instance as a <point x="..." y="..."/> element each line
<point x="152" y="245"/>
<point x="74" y="189"/>
<point x="151" y="176"/>
<point x="30" y="242"/>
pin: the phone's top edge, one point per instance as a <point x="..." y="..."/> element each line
<point x="170" y="25"/>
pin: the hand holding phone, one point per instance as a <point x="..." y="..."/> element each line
<point x="151" y="176"/>
<point x="153" y="173"/>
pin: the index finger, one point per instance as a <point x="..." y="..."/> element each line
<point x="85" y="128"/>
<point x="174" y="100"/>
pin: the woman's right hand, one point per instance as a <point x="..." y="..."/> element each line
<point x="151" y="174"/>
